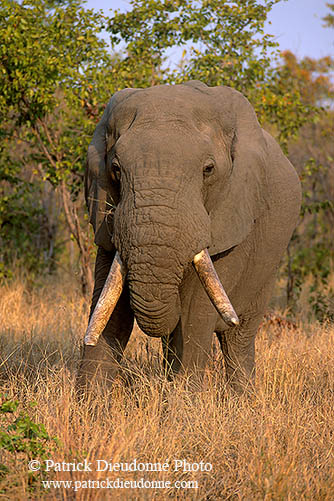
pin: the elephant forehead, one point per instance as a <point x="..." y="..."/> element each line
<point x="163" y="104"/>
<point x="162" y="147"/>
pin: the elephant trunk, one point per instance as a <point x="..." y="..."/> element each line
<point x="156" y="245"/>
<point x="156" y="305"/>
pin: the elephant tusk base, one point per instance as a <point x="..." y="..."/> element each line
<point x="107" y="301"/>
<point x="211" y="283"/>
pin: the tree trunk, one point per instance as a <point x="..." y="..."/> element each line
<point x="290" y="279"/>
<point x="81" y="237"/>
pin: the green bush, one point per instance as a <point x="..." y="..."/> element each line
<point x="23" y="439"/>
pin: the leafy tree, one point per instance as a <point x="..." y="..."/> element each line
<point x="57" y="73"/>
<point x="311" y="251"/>
<point x="223" y="44"/>
<point x="28" y="219"/>
<point x="219" y="38"/>
<point x="329" y="19"/>
<point x="53" y="80"/>
<point x="22" y="439"/>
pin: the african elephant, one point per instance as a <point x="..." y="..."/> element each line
<point x="176" y="174"/>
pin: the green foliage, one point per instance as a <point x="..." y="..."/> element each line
<point x="223" y="44"/>
<point x="23" y="435"/>
<point x="322" y="304"/>
<point x="54" y="83"/>
<point x="23" y="439"/>
<point x="311" y="204"/>
<point x="312" y="250"/>
<point x="329" y="19"/>
<point x="57" y="73"/>
<point x="280" y="105"/>
<point x="21" y="232"/>
<point x="25" y="241"/>
<point x="38" y="57"/>
<point x="53" y="66"/>
<point x="218" y="38"/>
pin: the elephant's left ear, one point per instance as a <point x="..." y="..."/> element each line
<point x="245" y="195"/>
<point x="97" y="196"/>
<point x="100" y="193"/>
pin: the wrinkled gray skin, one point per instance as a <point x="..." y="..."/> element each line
<point x="196" y="171"/>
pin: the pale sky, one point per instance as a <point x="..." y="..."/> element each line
<point x="296" y="24"/>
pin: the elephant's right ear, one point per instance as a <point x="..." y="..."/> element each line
<point x="100" y="193"/>
<point x="243" y="197"/>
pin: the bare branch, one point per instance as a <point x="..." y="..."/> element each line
<point x="49" y="156"/>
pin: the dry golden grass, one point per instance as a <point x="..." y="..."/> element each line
<point x="275" y="445"/>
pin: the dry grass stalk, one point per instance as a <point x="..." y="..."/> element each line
<point x="277" y="444"/>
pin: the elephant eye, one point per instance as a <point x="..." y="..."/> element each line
<point x="208" y="170"/>
<point x="115" y="172"/>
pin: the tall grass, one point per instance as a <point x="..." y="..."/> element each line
<point x="276" y="444"/>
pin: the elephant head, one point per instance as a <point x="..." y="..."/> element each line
<point x="182" y="171"/>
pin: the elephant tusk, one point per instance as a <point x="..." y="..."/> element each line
<point x="109" y="296"/>
<point x="211" y="283"/>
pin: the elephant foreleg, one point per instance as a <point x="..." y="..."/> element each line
<point x="238" y="347"/>
<point x="172" y="346"/>
<point x="238" y="343"/>
<point x="100" y="363"/>
<point x="188" y="348"/>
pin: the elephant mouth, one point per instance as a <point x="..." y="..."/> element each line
<point x="154" y="320"/>
<point x="154" y="292"/>
<point x="114" y="285"/>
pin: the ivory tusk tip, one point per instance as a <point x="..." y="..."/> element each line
<point x="235" y="321"/>
<point x="107" y="301"/>
<point x="88" y="341"/>
<point x="231" y="319"/>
